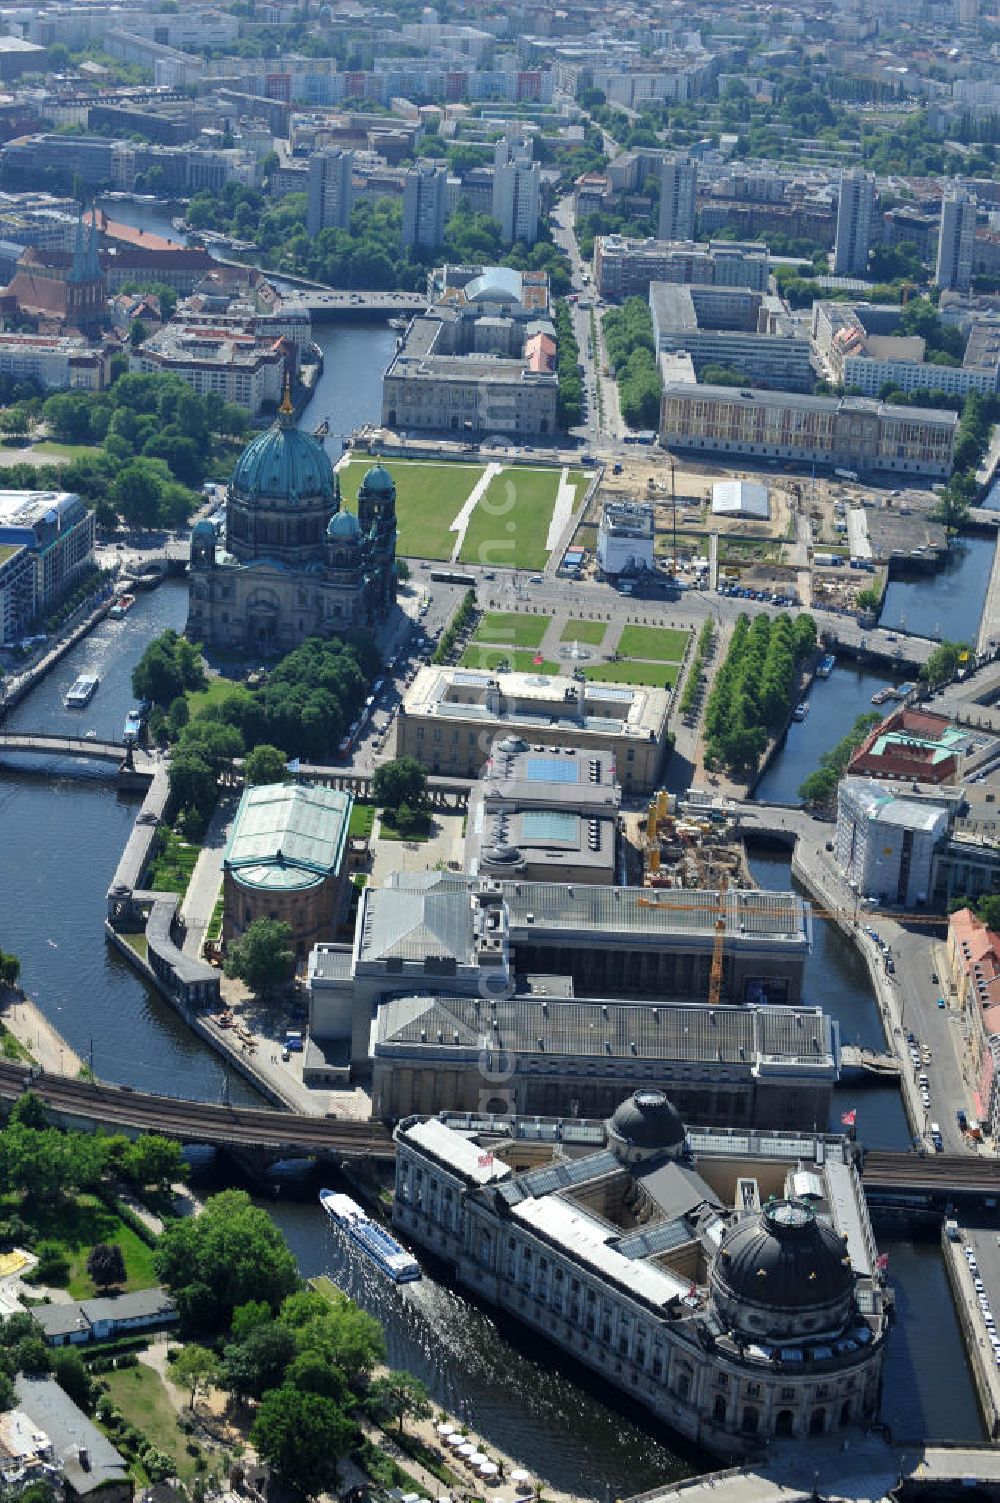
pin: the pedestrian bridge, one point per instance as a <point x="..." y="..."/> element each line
<point x="89" y="1105"/>
<point x="62" y="746"/>
<point x="36" y="743"/>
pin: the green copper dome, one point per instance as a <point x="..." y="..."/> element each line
<point x="284" y="464"/>
<point x="378" y="480"/>
<point x="343" y="525"/>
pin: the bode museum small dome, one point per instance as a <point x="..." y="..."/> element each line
<point x="783" y="1271"/>
<point x="645" y="1125"/>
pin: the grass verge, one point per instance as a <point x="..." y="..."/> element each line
<point x="511" y="629"/>
<point x="590" y="632"/>
<point x="173" y="864"/>
<point x="362" y="819"/>
<point x="141" y="1395"/>
<point x="77" y="1223"/>
<point x="660" y="644"/>
<point x="654" y="675"/>
<point x="517" y="660"/>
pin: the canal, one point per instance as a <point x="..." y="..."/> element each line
<point x="61" y="840"/>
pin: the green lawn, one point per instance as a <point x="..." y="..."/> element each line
<point x="511" y="628"/>
<point x="590" y="632"/>
<point x="172" y="868"/>
<point x="661" y="644"/>
<point x="214" y="692"/>
<point x="429" y="496"/>
<point x="141" y="1395"/>
<point x="77" y="1224"/>
<point x="519" y="660"/>
<point x="362" y="819"/>
<point x="509" y="526"/>
<point x="138" y="943"/>
<point x="656" y="675"/>
<point x="48" y="448"/>
<point x="418" y="829"/>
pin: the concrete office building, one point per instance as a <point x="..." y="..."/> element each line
<point x="330" y="190"/>
<point x="956" y="242"/>
<point x="678" y="197"/>
<point x="544" y="816"/>
<point x="454" y="935"/>
<point x="728" y="1281"/>
<point x="885" y="843"/>
<point x="625" y="268"/>
<point x="517" y="189"/>
<point x="855" y="224"/>
<point x="626" y="538"/>
<point x="856" y="433"/>
<point x="450" y="717"/>
<point x="861" y="347"/>
<point x="425" y="205"/>
<point x="739" y="1066"/>
<point x="55" y="533"/>
<point x="750" y="332"/>
<point x="235" y="366"/>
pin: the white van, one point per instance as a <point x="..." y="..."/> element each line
<point x="935" y="1130"/>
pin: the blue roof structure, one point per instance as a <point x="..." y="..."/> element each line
<point x="344" y="526"/>
<point x="378" y="479"/>
<point x="284" y="464"/>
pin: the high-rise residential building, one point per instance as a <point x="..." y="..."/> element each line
<point x="678" y="193"/>
<point x="956" y="242"/>
<point x="855" y="224"/>
<point x="331" y="190"/>
<point x="517" y="190"/>
<point x="425" y="204"/>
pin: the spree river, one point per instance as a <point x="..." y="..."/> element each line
<point x="61" y="839"/>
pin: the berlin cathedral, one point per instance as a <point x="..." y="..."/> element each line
<point x="292" y="563"/>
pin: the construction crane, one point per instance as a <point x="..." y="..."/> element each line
<point x="715" y="974"/>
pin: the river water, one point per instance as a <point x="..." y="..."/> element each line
<point x="61" y="840"/>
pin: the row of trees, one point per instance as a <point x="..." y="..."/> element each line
<point x="703" y="652"/>
<point x="755" y="687"/>
<point x="40" y="1162"/>
<point x="460" y="622"/>
<point x="628" y="339"/>
<point x="570" y="402"/>
<point x="305" y="1358"/>
<point x="820" y="788"/>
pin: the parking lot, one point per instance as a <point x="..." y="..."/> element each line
<point x="979" y="1284"/>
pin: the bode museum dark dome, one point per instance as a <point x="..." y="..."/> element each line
<point x="645" y="1126"/>
<point x="783" y="1272"/>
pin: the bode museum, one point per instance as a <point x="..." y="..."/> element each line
<point x="292" y="564"/>
<point x="725" y="1278"/>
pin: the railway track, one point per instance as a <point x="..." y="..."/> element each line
<point x="942" y="1170"/>
<point x="195" y="1121"/>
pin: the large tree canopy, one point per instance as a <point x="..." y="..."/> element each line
<point x="231" y="1253"/>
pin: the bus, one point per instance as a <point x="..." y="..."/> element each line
<point x="452" y="576"/>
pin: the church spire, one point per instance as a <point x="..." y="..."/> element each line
<point x="286" y="412"/>
<point x="78" y="271"/>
